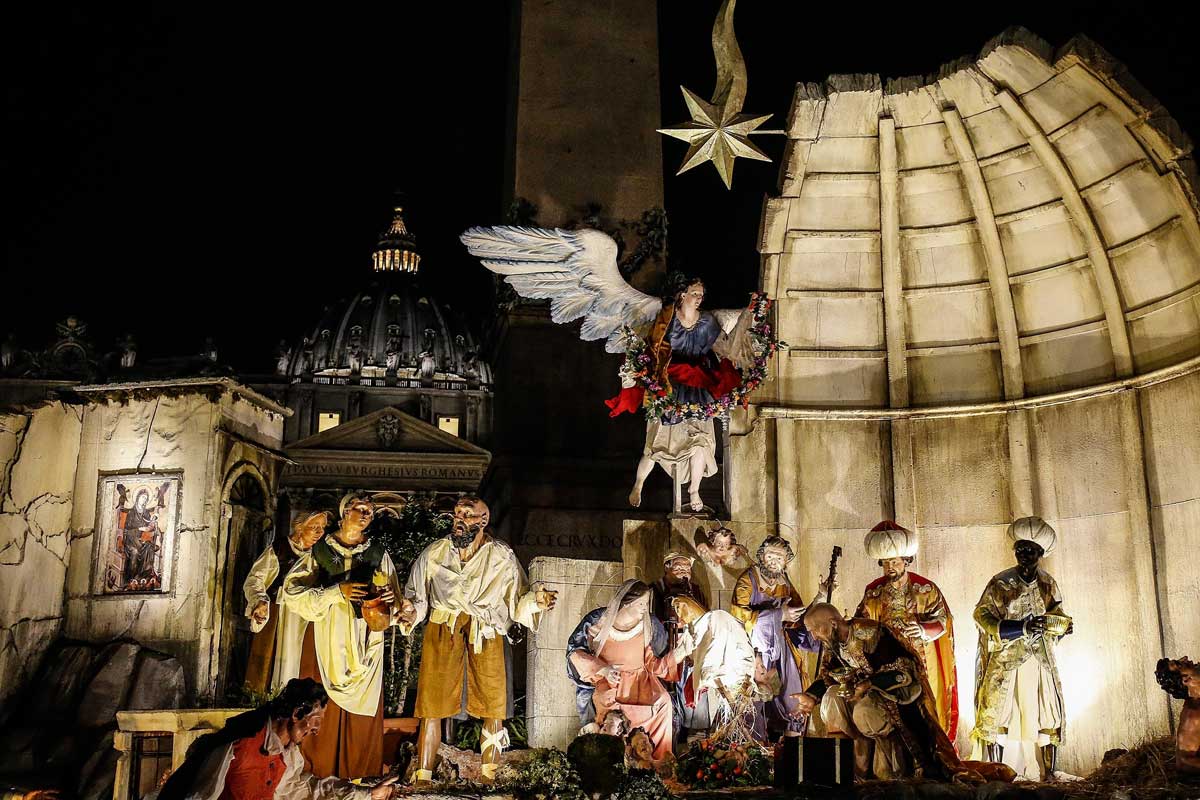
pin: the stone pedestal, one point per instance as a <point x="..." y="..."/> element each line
<point x="550" y="695"/>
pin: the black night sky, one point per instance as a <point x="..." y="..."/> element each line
<point x="183" y="171"/>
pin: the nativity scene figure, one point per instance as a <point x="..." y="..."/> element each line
<point x="684" y="366"/>
<point x="471" y="589"/>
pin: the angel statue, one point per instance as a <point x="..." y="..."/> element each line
<point x="684" y="366"/>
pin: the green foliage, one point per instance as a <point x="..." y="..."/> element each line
<point x="467" y="734"/>
<point x="643" y="785"/>
<point x="547" y="775"/>
<point x="418" y="524"/>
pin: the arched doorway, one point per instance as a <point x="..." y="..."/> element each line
<point x="249" y="531"/>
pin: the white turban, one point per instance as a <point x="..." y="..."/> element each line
<point x="1033" y="529"/>
<point x="889" y="540"/>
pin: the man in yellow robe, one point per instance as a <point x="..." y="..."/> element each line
<point x="473" y="589"/>
<point x="329" y="586"/>
<point x="913" y="608"/>
<point x="1018" y="694"/>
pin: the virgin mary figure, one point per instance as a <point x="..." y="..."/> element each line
<point x="618" y="658"/>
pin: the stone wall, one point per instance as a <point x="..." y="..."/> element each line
<point x="1016" y="226"/>
<point x="1115" y="474"/>
<point x="987" y="280"/>
<point x="207" y="441"/>
<point x="550" y="695"/>
<point x="38" y="449"/>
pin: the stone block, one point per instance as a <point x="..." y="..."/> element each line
<point x="1038" y="238"/>
<point x="1017" y="67"/>
<point x="960" y="470"/>
<point x="942" y="257"/>
<point x="853" y="113"/>
<point x="845" y="155"/>
<point x="836" y="203"/>
<point x="1096" y="146"/>
<point x="923" y="146"/>
<point x="956" y="376"/>
<point x="949" y="315"/>
<point x="106" y="692"/>
<point x="158" y="683"/>
<point x="832" y="321"/>
<point x="1017" y="180"/>
<point x="1155" y="266"/>
<point x="1166" y="333"/>
<point x="1065" y="97"/>
<point x="1081" y="438"/>
<point x="1134" y="201"/>
<point x="61" y="681"/>
<point x="915" y="110"/>
<point x="931" y="197"/>
<point x="835" y="262"/>
<point x="836" y="379"/>
<point x="971" y="93"/>
<point x="1067" y="359"/>
<point x="1056" y="298"/>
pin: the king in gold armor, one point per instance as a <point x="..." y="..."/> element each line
<point x="1018" y="695"/>
<point x="913" y="608"/>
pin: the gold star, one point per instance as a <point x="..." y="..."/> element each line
<point x="716" y="134"/>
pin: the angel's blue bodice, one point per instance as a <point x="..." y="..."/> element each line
<point x="693" y="346"/>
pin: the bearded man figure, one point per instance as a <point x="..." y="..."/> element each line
<point x="346" y="586"/>
<point x="692" y="711"/>
<point x="770" y="608"/>
<point x="278" y="631"/>
<point x="913" y="608"/>
<point x="871" y="687"/>
<point x="474" y="590"/>
<point x="1018" y="694"/>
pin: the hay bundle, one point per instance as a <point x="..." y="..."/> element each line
<point x="1147" y="772"/>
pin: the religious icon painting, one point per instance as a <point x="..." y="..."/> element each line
<point x="136" y="520"/>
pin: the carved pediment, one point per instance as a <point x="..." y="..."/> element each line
<point x="388" y="430"/>
<point x="386" y="450"/>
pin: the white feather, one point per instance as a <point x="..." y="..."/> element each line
<point x="576" y="270"/>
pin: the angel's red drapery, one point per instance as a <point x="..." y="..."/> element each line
<point x="719" y="381"/>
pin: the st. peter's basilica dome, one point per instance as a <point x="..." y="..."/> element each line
<point x="389" y="333"/>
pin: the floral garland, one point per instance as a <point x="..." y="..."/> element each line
<point x="661" y="404"/>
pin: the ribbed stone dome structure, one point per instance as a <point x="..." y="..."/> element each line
<point x="391" y="328"/>
<point x="989" y="282"/>
<point x="1016" y="226"/>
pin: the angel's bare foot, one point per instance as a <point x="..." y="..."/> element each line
<point x="635" y="496"/>
<point x="696" y="503"/>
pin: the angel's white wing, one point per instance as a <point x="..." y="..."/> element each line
<point x="576" y="270"/>
<point x="727" y="317"/>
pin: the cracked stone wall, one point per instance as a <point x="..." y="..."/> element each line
<point x="38" y="451"/>
<point x="174" y="435"/>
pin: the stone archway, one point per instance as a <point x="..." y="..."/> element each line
<point x="248" y="523"/>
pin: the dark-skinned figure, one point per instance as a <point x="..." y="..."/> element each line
<point x="1020" y="616"/>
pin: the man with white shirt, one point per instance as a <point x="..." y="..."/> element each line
<point x="473" y="589"/>
<point x="256" y="756"/>
<point x="278" y="631"/>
